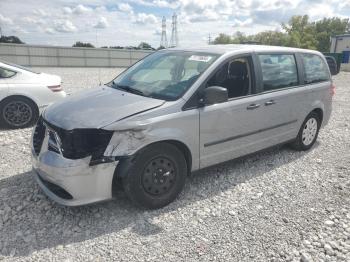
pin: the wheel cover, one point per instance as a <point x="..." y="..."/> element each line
<point x="159" y="176"/>
<point x="309" y="131"/>
<point x="17" y="113"/>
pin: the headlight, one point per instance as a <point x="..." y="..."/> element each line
<point x="81" y="143"/>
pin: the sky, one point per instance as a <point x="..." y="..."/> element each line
<point x="128" y="22"/>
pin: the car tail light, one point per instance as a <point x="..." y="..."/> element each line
<point x="56" y="88"/>
<point x="332" y="89"/>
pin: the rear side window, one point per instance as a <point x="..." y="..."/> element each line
<point x="278" y="71"/>
<point x="5" y="73"/>
<point x="315" y="69"/>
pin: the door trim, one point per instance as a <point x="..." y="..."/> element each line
<point x="247" y="134"/>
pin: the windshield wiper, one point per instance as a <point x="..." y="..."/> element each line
<point x="129" y="89"/>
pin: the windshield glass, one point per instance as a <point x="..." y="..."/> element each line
<point x="164" y="75"/>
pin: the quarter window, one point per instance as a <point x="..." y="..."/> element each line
<point x="5" y="73"/>
<point x="315" y="69"/>
<point x="278" y="71"/>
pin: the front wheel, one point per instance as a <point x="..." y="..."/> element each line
<point x="308" y="132"/>
<point x="18" y="112"/>
<point x="155" y="176"/>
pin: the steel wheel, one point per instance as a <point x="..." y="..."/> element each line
<point x="154" y="176"/>
<point x="309" y="131"/>
<point x="159" y="176"/>
<point x="17" y="113"/>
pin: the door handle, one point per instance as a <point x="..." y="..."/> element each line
<point x="271" y="102"/>
<point x="253" y="106"/>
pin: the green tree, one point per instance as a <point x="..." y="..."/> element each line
<point x="271" y="38"/>
<point x="328" y="27"/>
<point x="239" y="38"/>
<point x="222" y="39"/>
<point x="144" y="45"/>
<point x="10" y="39"/>
<point x="301" y="32"/>
<point x="81" y="44"/>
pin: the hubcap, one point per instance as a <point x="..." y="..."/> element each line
<point x="17" y="113"/>
<point x="159" y="176"/>
<point x="309" y="131"/>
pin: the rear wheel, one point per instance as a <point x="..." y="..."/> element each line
<point x="18" y="112"/>
<point x="308" y="132"/>
<point x="155" y="176"/>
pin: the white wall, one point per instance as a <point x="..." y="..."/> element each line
<point x="35" y="55"/>
<point x="343" y="44"/>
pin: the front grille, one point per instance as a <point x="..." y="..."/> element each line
<point x="38" y="137"/>
<point x="57" y="190"/>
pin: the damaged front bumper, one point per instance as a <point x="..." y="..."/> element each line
<point x="71" y="182"/>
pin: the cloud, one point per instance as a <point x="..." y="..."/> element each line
<point x="67" y="10"/>
<point x="81" y="9"/>
<point x="143" y="18"/>
<point x="140" y="20"/>
<point x="124" y="7"/>
<point x="5" y="20"/>
<point x="50" y="31"/>
<point x="64" y="26"/>
<point x="40" y="12"/>
<point x="240" y="23"/>
<point x="102" y="23"/>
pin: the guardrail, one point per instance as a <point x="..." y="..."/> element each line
<point x="57" y="56"/>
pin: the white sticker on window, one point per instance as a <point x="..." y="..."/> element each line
<point x="200" y="58"/>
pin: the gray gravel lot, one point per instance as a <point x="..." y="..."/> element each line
<point x="278" y="205"/>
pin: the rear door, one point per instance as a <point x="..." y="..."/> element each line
<point x="283" y="96"/>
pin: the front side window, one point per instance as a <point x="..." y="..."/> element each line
<point x="278" y="71"/>
<point x="235" y="76"/>
<point x="5" y="73"/>
<point x="315" y="69"/>
<point x="164" y="75"/>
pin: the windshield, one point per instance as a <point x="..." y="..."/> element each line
<point x="18" y="66"/>
<point x="164" y="75"/>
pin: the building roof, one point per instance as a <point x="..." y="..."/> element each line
<point x="344" y="35"/>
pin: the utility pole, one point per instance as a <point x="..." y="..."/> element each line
<point x="164" y="40"/>
<point x="209" y="39"/>
<point x="174" y="36"/>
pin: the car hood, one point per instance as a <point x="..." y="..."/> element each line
<point x="97" y="107"/>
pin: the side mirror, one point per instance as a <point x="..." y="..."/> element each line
<point x="215" y="95"/>
<point x="332" y="64"/>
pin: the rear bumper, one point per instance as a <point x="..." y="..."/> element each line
<point x="73" y="182"/>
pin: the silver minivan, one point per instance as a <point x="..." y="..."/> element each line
<point x="177" y="111"/>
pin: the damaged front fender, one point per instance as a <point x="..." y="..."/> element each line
<point x="124" y="143"/>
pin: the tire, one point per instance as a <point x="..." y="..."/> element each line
<point x="154" y="177"/>
<point x="308" y="132"/>
<point x="18" y="112"/>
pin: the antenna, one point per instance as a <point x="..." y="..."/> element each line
<point x="164" y="40"/>
<point x="174" y="36"/>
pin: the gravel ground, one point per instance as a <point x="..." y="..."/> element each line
<point x="278" y="205"/>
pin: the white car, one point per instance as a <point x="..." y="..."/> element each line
<point x="24" y="93"/>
